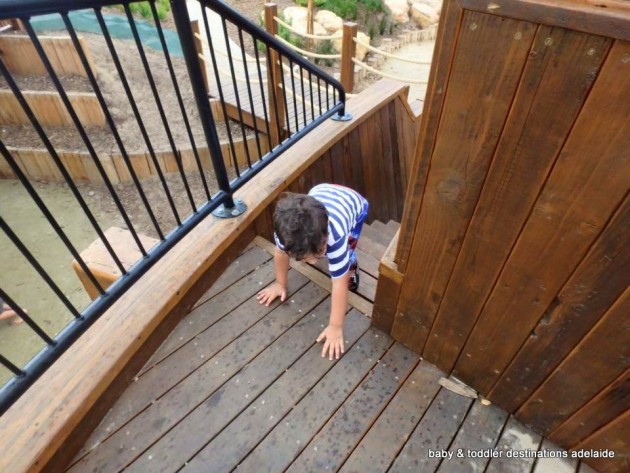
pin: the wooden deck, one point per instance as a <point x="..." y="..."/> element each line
<point x="241" y="385"/>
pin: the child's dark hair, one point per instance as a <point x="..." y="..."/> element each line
<point x="301" y="223"/>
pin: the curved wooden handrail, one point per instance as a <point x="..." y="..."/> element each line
<point x="39" y="423"/>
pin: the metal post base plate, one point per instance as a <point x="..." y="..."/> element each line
<point x="224" y="212"/>
<point x="346" y="117"/>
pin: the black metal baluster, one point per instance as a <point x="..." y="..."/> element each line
<point x="236" y="91"/>
<point x="27" y="318"/>
<point x="319" y="95"/>
<point x="171" y="71"/>
<point x="303" y="96"/>
<point x="11" y="367"/>
<point x="136" y="112"/>
<point x="49" y="216"/>
<point x="262" y="94"/>
<point x="158" y="102"/>
<point x="217" y="75"/>
<point x="310" y="88"/>
<point x="49" y="147"/>
<point x="295" y="108"/>
<point x="249" y="92"/>
<point x="285" y="94"/>
<point x="38" y="267"/>
<point x="112" y="125"/>
<point x="182" y="20"/>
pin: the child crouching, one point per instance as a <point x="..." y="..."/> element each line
<point x="325" y="223"/>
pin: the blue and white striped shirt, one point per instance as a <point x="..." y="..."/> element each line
<point x="344" y="207"/>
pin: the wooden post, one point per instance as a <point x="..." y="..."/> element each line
<point x="274" y="81"/>
<point x="348" y="50"/>
<point x="194" y="24"/>
<point x="309" y="25"/>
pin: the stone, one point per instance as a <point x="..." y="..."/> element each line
<point x="361" y="51"/>
<point x="300" y="26"/>
<point x="294" y="14"/>
<point x="399" y="9"/>
<point x="424" y="15"/>
<point x="329" y="20"/>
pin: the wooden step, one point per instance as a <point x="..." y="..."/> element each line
<point x="376" y="232"/>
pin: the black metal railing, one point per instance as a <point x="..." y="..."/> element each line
<point x="156" y="160"/>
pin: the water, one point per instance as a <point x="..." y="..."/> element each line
<point x="117" y="25"/>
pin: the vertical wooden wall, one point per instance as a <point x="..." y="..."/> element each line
<point x="514" y="250"/>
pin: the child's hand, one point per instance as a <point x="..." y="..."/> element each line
<point x="268" y="294"/>
<point x="334" y="341"/>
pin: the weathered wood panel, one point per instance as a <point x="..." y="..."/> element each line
<point x="49" y="109"/>
<point x="20" y="56"/>
<point x="594" y="286"/>
<point x="469" y="132"/>
<point x="557" y="68"/>
<point x="586" y="185"/>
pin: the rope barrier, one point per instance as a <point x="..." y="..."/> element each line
<point x="384" y="74"/>
<point x="306" y="53"/>
<point x="305" y="35"/>
<point x="225" y="54"/>
<point x="393" y="56"/>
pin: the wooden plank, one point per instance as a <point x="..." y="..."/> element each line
<point x="594" y="286"/>
<point x="204" y="315"/>
<point x="383" y="232"/>
<point x="241" y="267"/>
<point x="378" y="449"/>
<point x="367" y="262"/>
<point x="318" y="278"/>
<point x="297" y="428"/>
<point x="599" y="18"/>
<point x="445" y="46"/>
<point x="337" y="152"/>
<point x="370" y="172"/>
<point x="609" y="404"/>
<point x="479" y="433"/>
<point x="555" y="460"/>
<point x="459" y="164"/>
<point x="614" y="436"/>
<point x="386" y="297"/>
<point x="353" y="164"/>
<point x="579" y="197"/>
<point x="367" y="286"/>
<point x="369" y="243"/>
<point x="397" y="160"/>
<point x="435" y="431"/>
<point x="338" y="438"/>
<point x="216" y="375"/>
<point x="596" y="362"/>
<point x="217" y="411"/>
<point x="85" y="372"/>
<point x="518" y="172"/>
<point x="242" y="435"/>
<point x="515" y="438"/>
<point x="386" y="165"/>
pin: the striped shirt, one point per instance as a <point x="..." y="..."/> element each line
<point x="344" y="207"/>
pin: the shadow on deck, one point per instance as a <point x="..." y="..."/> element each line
<point x="240" y="385"/>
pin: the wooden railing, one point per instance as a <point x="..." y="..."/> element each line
<point x="44" y="428"/>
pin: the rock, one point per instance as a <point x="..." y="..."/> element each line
<point x="361" y="51"/>
<point x="424" y="15"/>
<point x="329" y="20"/>
<point x="399" y="9"/>
<point x="293" y="14"/>
<point x="300" y="26"/>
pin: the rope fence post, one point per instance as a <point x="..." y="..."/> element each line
<point x="274" y="75"/>
<point x="348" y="51"/>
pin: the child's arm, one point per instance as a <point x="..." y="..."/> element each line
<point x="279" y="287"/>
<point x="334" y="332"/>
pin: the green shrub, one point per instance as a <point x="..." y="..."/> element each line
<point x="304" y="3"/>
<point x="325" y="47"/>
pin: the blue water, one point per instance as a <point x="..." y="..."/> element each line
<point x="117" y="25"/>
